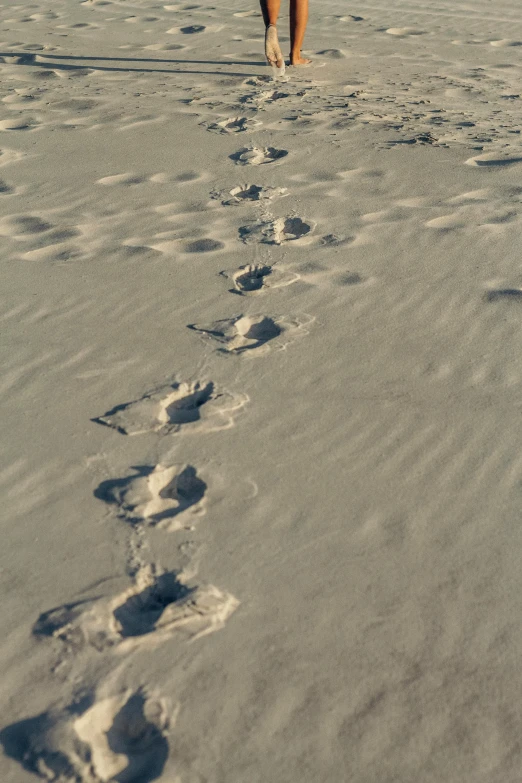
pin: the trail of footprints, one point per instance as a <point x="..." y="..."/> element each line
<point x="105" y="734"/>
<point x="123" y="735"/>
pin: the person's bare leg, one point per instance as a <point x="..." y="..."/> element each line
<point x="270" y="11"/>
<point x="298" y="21"/>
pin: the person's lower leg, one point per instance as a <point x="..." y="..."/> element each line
<point x="270" y="11"/>
<point x="298" y="21"/>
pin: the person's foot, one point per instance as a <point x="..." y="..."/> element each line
<point x="296" y="59"/>
<point x="273" y="52"/>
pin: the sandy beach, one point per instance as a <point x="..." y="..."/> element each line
<point x="260" y="466"/>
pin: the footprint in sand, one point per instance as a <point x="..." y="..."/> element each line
<point x="269" y="96"/>
<point x="275" y="232"/>
<point x="127" y="736"/>
<point x="164" y="496"/>
<point x="242" y="193"/>
<point x="419" y="138"/>
<point x="289" y="229"/>
<point x="251" y="334"/>
<point x="195" y="407"/>
<point x="157" y="606"/>
<point x="337" y="240"/>
<point x="257" y="156"/>
<point x="250" y="279"/>
<point x="256" y="278"/>
<point x="234" y="125"/>
<point x="119" y="738"/>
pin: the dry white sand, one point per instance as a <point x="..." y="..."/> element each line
<point x="261" y="464"/>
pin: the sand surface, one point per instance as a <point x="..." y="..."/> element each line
<point x="261" y="377"/>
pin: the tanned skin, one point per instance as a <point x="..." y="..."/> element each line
<point x="298" y="20"/>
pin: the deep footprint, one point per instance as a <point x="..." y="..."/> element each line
<point x="121" y="738"/>
<point x="275" y="232"/>
<point x="158" y="605"/>
<point x="243" y="193"/>
<point x="253" y="279"/>
<point x="156" y="495"/>
<point x="242" y="333"/>
<point x="250" y="279"/>
<point x="161" y="604"/>
<point x="141" y="612"/>
<point x="194" y="406"/>
<point x="168" y="409"/>
<point x="234" y="125"/>
<point x="256" y="156"/>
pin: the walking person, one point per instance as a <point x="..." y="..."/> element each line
<point x="298" y="20"/>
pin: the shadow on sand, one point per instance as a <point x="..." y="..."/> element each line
<point x="44" y="61"/>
